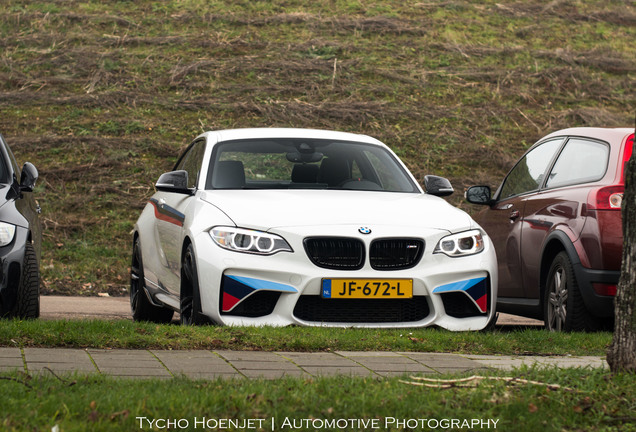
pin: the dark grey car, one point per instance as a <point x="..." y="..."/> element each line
<point x="20" y="238"/>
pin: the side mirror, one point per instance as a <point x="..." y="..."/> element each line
<point x="478" y="195"/>
<point x="438" y="186"/>
<point x="173" y="181"/>
<point x="28" y="177"/>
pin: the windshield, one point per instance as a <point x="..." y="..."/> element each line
<point x="306" y="164"/>
<point x="4" y="171"/>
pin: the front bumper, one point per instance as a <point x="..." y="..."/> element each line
<point x="285" y="289"/>
<point x="601" y="306"/>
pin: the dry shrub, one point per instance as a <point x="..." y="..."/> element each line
<point x="376" y="24"/>
<point x="590" y="116"/>
<point x="566" y="9"/>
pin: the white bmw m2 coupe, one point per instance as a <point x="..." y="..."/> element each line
<point x="307" y="227"/>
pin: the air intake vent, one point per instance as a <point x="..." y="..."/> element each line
<point x="459" y="305"/>
<point x="359" y="311"/>
<point x="259" y="304"/>
<point x="396" y="254"/>
<point x="335" y="253"/>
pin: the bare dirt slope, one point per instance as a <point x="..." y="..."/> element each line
<point x="102" y="96"/>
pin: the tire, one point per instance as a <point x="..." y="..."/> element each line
<point x="491" y="326"/>
<point x="140" y="306"/>
<point x="563" y="307"/>
<point x="190" y="296"/>
<point x="28" y="299"/>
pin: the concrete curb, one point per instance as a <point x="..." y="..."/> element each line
<point x="211" y="364"/>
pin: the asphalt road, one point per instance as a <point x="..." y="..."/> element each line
<point x="111" y="308"/>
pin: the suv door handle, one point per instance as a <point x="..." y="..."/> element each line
<point x="514" y="215"/>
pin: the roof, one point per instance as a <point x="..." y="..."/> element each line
<point x="606" y="134"/>
<point x="235" y="134"/>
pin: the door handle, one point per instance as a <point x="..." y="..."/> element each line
<point x="162" y="202"/>
<point x="514" y="215"/>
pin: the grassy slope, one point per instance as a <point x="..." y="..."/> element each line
<point x="101" y="96"/>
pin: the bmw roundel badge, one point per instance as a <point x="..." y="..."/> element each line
<point x="364" y="230"/>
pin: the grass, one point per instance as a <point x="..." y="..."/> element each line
<point x="102" y="96"/>
<point x="127" y="334"/>
<point x="593" y="401"/>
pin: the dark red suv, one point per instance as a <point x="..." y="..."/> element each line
<point x="555" y="222"/>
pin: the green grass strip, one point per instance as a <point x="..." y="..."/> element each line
<point x="595" y="400"/>
<point x="130" y="335"/>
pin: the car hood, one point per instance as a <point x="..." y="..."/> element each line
<point x="270" y="209"/>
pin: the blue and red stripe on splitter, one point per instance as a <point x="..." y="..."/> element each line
<point x="476" y="289"/>
<point x="238" y="288"/>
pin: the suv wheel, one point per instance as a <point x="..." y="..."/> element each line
<point x="563" y="307"/>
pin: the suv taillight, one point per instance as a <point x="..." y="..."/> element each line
<point x="629" y="148"/>
<point x="606" y="198"/>
<point x="611" y="197"/>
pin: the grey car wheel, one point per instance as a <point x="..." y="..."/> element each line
<point x="564" y="309"/>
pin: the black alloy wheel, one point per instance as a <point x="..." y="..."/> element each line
<point x="140" y="306"/>
<point x="190" y="297"/>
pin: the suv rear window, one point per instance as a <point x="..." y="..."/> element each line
<point x="581" y="161"/>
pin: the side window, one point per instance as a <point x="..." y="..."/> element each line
<point x="191" y="162"/>
<point x="581" y="161"/>
<point x="529" y="173"/>
<point x="356" y="173"/>
<point x="385" y="170"/>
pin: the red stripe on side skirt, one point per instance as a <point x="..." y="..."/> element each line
<point x="164" y="217"/>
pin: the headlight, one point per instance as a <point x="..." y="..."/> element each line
<point x="461" y="244"/>
<point x="7" y="232"/>
<point x="249" y="241"/>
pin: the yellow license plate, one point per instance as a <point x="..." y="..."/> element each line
<point x="367" y="288"/>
